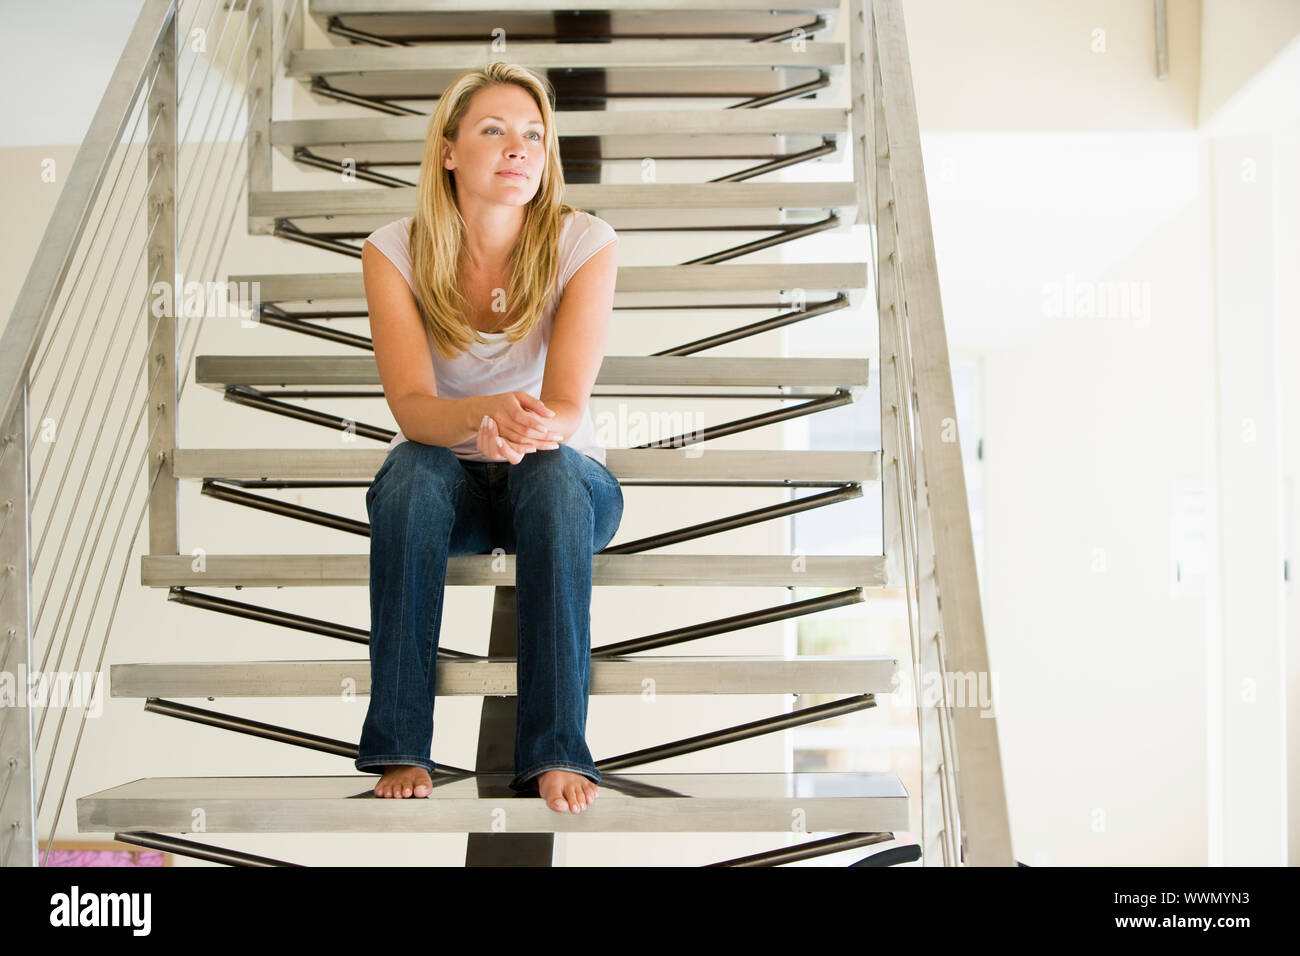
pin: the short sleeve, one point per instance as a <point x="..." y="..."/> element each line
<point x="586" y="235"/>
<point x="394" y="241"/>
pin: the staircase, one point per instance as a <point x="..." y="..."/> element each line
<point x="730" y="80"/>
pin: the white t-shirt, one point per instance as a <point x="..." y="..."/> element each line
<point x="498" y="366"/>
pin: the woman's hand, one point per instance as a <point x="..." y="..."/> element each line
<point x="515" y="423"/>
<point x="496" y="448"/>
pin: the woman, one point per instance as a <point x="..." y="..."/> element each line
<point x="489" y="311"/>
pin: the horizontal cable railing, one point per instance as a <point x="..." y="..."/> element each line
<point x="93" y="362"/>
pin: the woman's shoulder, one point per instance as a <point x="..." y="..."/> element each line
<point x="579" y="223"/>
<point x="582" y="236"/>
<point x="394" y="241"/>
<point x="399" y="231"/>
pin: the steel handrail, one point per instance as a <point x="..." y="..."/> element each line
<point x="930" y="524"/>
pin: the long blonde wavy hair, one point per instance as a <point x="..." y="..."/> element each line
<point x="438" y="229"/>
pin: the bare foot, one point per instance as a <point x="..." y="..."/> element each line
<point x="401" y="780"/>
<point x="566" y="792"/>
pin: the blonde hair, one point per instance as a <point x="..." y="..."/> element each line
<point x="438" y="229"/>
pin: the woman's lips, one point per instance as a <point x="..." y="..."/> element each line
<point x="510" y="174"/>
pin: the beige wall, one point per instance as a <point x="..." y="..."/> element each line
<point x="1244" y="39"/>
<point x="29" y="202"/>
<point x="1051" y="67"/>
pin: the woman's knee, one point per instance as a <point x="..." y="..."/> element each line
<point x="416" y="473"/>
<point x="609" y="516"/>
<point x="554" y="471"/>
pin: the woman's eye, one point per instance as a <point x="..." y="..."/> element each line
<point x="533" y="133"/>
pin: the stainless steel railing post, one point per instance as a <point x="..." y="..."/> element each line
<point x="165" y="298"/>
<point x="18" y="841"/>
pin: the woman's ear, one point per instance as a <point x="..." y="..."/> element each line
<point x="446" y="153"/>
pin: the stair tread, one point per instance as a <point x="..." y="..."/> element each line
<point x="354" y="130"/>
<point x="622" y="55"/>
<point x="326" y="8"/>
<point x="632" y="280"/>
<point x="628" y="464"/>
<point x="628" y="802"/>
<point x="496" y="675"/>
<point x="399" y="201"/>
<point x="608" y="570"/>
<point x="760" y="207"/>
<point x="360" y="369"/>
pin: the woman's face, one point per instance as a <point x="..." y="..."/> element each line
<point x="502" y="130"/>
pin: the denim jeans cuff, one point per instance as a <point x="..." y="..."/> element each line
<point x="388" y="760"/>
<point x="521" y="779"/>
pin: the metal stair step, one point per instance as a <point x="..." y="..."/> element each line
<point x="650" y="55"/>
<point x="608" y="570"/>
<point x="620" y="134"/>
<point x="628" y="802"/>
<point x="362" y="209"/>
<point x="218" y="371"/>
<point x="477" y="678"/>
<point x="718" y="280"/>
<point x="323" y="9"/>
<point x="757" y="83"/>
<point x="723" y="125"/>
<point x="252" y="464"/>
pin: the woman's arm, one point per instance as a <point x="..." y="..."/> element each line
<point x="578" y="338"/>
<point x="405" y="365"/>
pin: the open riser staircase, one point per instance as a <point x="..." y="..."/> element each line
<point x="758" y="92"/>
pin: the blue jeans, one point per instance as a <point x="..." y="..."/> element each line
<point x="553" y="511"/>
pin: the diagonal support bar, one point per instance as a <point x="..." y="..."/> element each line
<point x="299" y="622"/>
<point x="741" y="520"/>
<point x="728" y="735"/>
<point x="809" y="850"/>
<point x="257" y="728"/>
<point x="195" y="850"/>
<point x="842" y="396"/>
<point x="725" y="625"/>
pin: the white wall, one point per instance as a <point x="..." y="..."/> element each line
<point x="1288" y="290"/>
<point x="1073" y="170"/>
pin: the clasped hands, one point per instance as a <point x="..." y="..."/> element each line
<point x="513" y="425"/>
